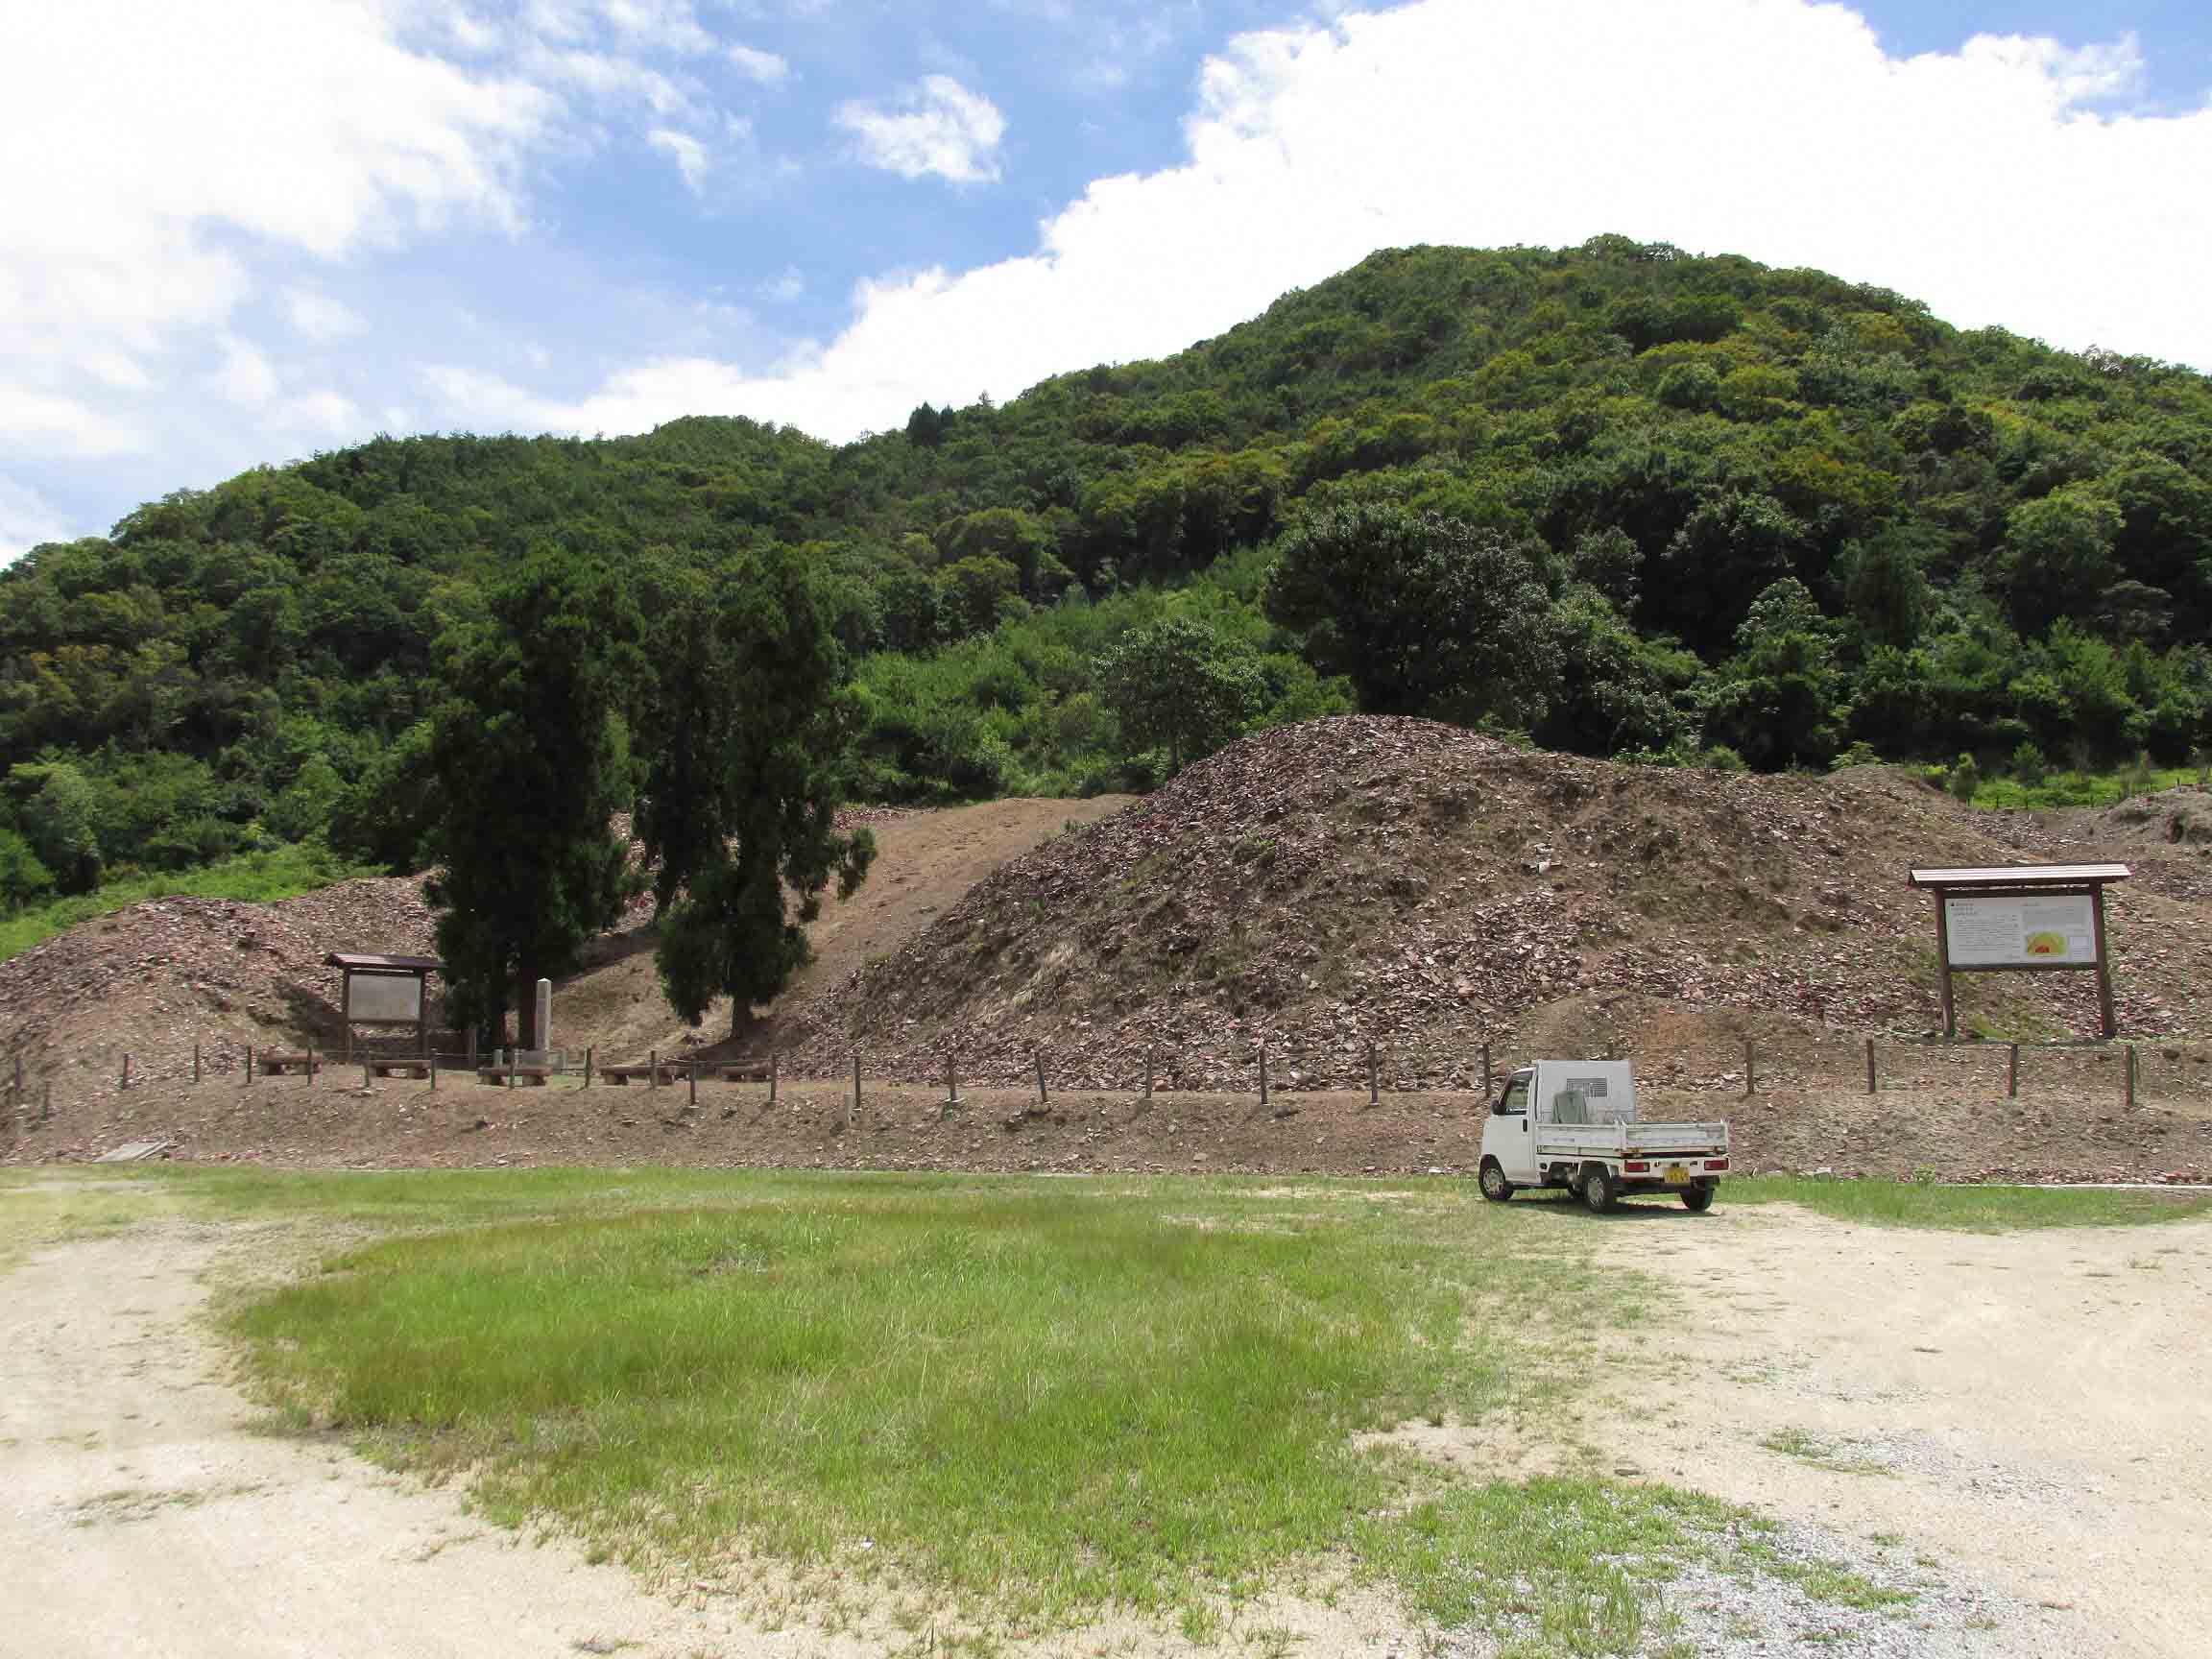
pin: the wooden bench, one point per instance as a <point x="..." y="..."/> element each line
<point x="741" y="1071"/>
<point x="277" y="1061"/>
<point x="398" y="1068"/>
<point x="537" y="1076"/>
<point x="669" y="1072"/>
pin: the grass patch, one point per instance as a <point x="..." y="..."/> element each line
<point x="258" y="878"/>
<point x="1815" y="1452"/>
<point x="1968" y="1209"/>
<point x="2107" y="789"/>
<point x="1043" y="1399"/>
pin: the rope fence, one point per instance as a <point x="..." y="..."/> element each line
<point x="2126" y="1074"/>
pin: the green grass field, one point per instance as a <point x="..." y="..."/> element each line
<point x="999" y="1405"/>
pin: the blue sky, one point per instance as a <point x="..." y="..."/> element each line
<point x="242" y="231"/>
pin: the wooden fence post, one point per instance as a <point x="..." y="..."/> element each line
<point x="513" y="1065"/>
<point x="652" y="1068"/>
<point x="1148" y="1074"/>
<point x="2013" y="1072"/>
<point x="365" y="1077"/>
<point x="951" y="1077"/>
<point x="771" y="1077"/>
<point x="1374" y="1082"/>
<point x="195" y="1063"/>
<point x="1487" y="1073"/>
<point x="2131" y="1077"/>
<point x="1263" y="1074"/>
<point x="694" y="1100"/>
<point x="248" y="1062"/>
<point x="46" y="1102"/>
<point x="310" y="1065"/>
<point x="126" y="1071"/>
<point x="1871" y="1084"/>
<point x="433" y="1071"/>
<point x="852" y="1114"/>
<point x="1043" y="1098"/>
<point x="1751" y="1063"/>
<point x="588" y="1053"/>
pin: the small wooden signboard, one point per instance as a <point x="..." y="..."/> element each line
<point x="389" y="991"/>
<point x="2022" y="918"/>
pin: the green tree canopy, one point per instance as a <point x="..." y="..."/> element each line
<point x="747" y="774"/>
<point x="531" y="754"/>
<point x="1424" y="615"/>
<point x="1180" y="686"/>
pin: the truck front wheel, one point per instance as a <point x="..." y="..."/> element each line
<point x="1598" y="1191"/>
<point x="1495" y="1186"/>
<point x="1699" y="1197"/>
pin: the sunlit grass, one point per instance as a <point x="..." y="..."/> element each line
<point x="1041" y="1397"/>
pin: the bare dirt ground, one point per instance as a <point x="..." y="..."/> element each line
<point x="1962" y="1133"/>
<point x="2028" y="1406"/>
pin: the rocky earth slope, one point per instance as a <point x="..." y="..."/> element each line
<point x="1428" y="889"/>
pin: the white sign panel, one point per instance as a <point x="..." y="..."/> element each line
<point x="2021" y="932"/>
<point x="378" y="996"/>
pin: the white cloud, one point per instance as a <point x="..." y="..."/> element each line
<point x="35" y="422"/>
<point x="245" y="376"/>
<point x="27" y="520"/>
<point x="324" y="414"/>
<point x="298" y="127"/>
<point x="117" y="371"/>
<point x="765" y="67"/>
<point x="316" y="316"/>
<point x="786" y="287"/>
<point x="1975" y="179"/>
<point x="935" y="125"/>
<point x="687" y="153"/>
<point x="666" y="25"/>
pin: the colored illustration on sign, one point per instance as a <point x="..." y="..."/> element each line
<point x="2018" y="931"/>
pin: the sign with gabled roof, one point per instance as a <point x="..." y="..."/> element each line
<point x="2021" y="917"/>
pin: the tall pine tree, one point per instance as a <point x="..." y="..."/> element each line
<point x="531" y="754"/>
<point x="751" y="725"/>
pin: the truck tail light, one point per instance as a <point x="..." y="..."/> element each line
<point x="1634" y="1167"/>
<point x="1716" y="1163"/>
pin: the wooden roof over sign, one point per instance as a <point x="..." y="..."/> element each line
<point x="2025" y="876"/>
<point x="384" y="963"/>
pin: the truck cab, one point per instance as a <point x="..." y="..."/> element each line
<point x="1571" y="1124"/>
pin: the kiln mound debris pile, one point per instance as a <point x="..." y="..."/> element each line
<point x="1367" y="879"/>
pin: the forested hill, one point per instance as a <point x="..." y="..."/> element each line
<point x="1617" y="497"/>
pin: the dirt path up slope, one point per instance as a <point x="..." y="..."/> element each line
<point x="2030" y="1406"/>
<point x="925" y="863"/>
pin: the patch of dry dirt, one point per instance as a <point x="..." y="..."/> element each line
<point x="286" y="1123"/>
<point x="2029" y="1405"/>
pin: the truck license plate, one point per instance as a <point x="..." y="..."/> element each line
<point x="1677" y="1174"/>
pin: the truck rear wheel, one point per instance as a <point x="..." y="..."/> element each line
<point x="1598" y="1191"/>
<point x="1699" y="1197"/>
<point x="1495" y="1186"/>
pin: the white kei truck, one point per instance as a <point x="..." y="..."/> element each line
<point x="1572" y="1123"/>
